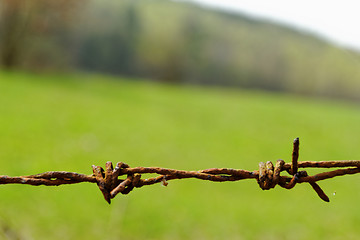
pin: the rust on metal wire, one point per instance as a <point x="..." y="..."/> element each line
<point x="123" y="179"/>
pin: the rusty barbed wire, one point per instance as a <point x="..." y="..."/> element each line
<point x="267" y="176"/>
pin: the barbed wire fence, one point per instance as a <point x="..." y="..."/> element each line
<point x="123" y="179"/>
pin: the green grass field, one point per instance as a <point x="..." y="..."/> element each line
<point x="71" y="122"/>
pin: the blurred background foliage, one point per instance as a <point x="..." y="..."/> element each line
<point x="174" y="42"/>
<point x="60" y="109"/>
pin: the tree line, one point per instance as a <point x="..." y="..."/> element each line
<point x="173" y="42"/>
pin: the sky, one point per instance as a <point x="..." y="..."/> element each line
<point x="336" y="20"/>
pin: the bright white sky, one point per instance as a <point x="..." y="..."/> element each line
<point x="337" y="20"/>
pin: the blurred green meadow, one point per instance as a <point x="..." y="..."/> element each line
<point x="69" y="122"/>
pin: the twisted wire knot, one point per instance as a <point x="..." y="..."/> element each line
<point x="269" y="176"/>
<point x="108" y="181"/>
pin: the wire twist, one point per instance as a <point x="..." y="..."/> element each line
<point x="110" y="182"/>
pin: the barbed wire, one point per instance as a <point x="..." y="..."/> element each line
<point x="268" y="176"/>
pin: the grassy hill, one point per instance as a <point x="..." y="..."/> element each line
<point x="183" y="42"/>
<point x="71" y="122"/>
<point x="175" y="41"/>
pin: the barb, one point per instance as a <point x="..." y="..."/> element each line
<point x="123" y="179"/>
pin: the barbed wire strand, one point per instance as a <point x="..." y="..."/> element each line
<point x="267" y="176"/>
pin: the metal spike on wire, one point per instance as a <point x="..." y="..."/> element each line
<point x="123" y="179"/>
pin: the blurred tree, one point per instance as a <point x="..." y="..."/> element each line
<point x="132" y="30"/>
<point x="112" y="48"/>
<point x="28" y="27"/>
<point x="13" y="19"/>
<point x="194" y="43"/>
